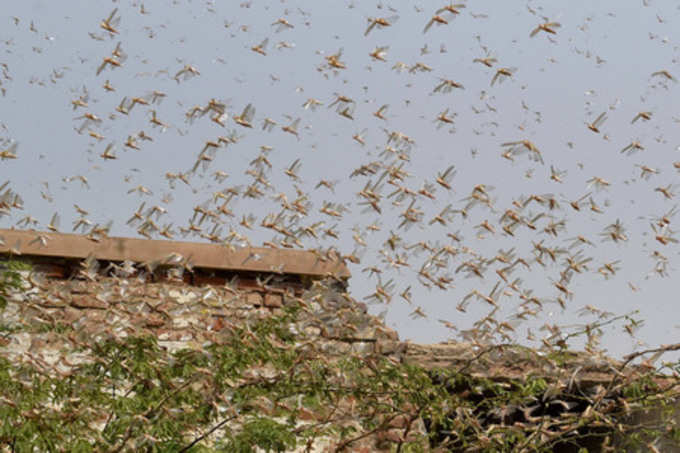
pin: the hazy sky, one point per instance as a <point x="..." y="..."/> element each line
<point x="601" y="59"/>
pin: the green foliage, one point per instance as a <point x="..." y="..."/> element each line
<point x="264" y="433"/>
<point x="10" y="279"/>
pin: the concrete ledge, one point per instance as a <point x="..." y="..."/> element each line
<point x="200" y="255"/>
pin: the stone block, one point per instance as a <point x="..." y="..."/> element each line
<point x="273" y="300"/>
<point x="254" y="299"/>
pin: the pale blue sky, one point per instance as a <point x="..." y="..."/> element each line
<point x="601" y="59"/>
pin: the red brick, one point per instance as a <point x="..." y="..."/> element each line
<point x="154" y="321"/>
<point x="84" y="302"/>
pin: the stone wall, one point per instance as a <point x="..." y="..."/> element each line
<point x="182" y="310"/>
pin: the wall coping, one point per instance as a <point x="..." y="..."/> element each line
<point x="200" y="255"/>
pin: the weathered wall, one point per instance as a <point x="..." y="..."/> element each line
<point x="185" y="305"/>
